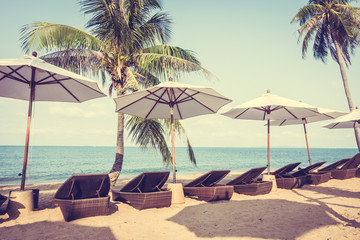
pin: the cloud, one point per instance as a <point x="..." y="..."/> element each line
<point x="76" y="112"/>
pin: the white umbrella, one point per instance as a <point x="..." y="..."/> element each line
<point x="271" y="107"/>
<point x="30" y="78"/>
<point x="322" y="114"/>
<point x="171" y="100"/>
<point x="350" y="120"/>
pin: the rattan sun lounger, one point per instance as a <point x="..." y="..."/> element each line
<point x="351" y="167"/>
<point x="347" y="169"/>
<point x="84" y="195"/>
<point x="286" y="182"/>
<point x="4" y="203"/>
<point x="339" y="169"/>
<point x="248" y="184"/>
<point x="297" y="179"/>
<point x="145" y="191"/>
<point x="289" y="180"/>
<point x="205" y="187"/>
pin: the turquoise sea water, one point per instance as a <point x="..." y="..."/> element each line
<point x="48" y="164"/>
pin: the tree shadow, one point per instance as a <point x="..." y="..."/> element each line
<point x="332" y="191"/>
<point x="55" y="230"/>
<point x="349" y="222"/>
<point x="268" y="219"/>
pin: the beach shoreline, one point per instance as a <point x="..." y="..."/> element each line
<point x="327" y="211"/>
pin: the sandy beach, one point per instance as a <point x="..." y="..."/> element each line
<point x="327" y="211"/>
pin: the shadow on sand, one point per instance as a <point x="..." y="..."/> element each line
<point x="332" y="191"/>
<point x="55" y="230"/>
<point x="268" y="219"/>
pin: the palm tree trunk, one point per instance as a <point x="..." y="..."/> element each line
<point x="119" y="157"/>
<point x="347" y="89"/>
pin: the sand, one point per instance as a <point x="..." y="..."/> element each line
<point x="327" y="211"/>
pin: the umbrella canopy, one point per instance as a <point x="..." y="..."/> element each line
<point x="271" y="107"/>
<point x="171" y="100"/>
<point x="32" y="79"/>
<point x="321" y="115"/>
<point x="350" y="120"/>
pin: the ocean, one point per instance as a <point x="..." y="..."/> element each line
<point x="48" y="164"/>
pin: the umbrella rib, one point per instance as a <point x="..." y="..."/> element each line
<point x="65" y="88"/>
<point x="157" y="101"/>
<point x="191" y="97"/>
<point x="175" y="102"/>
<point x="282" y="122"/>
<point x="15" y="71"/>
<point x="149" y="93"/>
<point x="242" y="113"/>
<point x="290" y="113"/>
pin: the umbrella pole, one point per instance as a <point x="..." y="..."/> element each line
<point x="268" y="146"/>
<point x="307" y="143"/>
<point x="32" y="94"/>
<point x="173" y="145"/>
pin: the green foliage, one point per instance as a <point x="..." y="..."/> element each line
<point x="126" y="42"/>
<point x="326" y="22"/>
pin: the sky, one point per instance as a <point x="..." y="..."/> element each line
<point x="250" y="46"/>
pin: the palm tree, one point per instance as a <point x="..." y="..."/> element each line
<point x="126" y="43"/>
<point x="332" y="26"/>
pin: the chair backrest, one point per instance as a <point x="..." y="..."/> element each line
<point x="208" y="179"/>
<point x="334" y="165"/>
<point x="82" y="186"/>
<point x="146" y="182"/>
<point x="353" y="162"/>
<point x="285" y="169"/>
<point x="247" y="177"/>
<point x="308" y="169"/>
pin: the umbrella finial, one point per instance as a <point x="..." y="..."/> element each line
<point x="268" y="91"/>
<point x="34" y="54"/>
<point x="170" y="79"/>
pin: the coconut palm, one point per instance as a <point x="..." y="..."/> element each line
<point x="332" y="26"/>
<point x="126" y="42"/>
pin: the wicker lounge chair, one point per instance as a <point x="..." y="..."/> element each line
<point x="144" y="191"/>
<point x="339" y="169"/>
<point x="205" y="187"/>
<point x="248" y="184"/>
<point x="348" y="169"/>
<point x="297" y="179"/>
<point x="4" y="203"/>
<point x="353" y="165"/>
<point x="84" y="195"/>
<point x="286" y="182"/>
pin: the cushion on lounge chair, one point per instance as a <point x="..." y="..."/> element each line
<point x="205" y="187"/>
<point x="248" y="184"/>
<point x="84" y="195"/>
<point x="145" y="191"/>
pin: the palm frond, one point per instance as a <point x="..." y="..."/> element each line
<point x="76" y="60"/>
<point x="180" y="132"/>
<point x="148" y="133"/>
<point x="165" y="61"/>
<point x="56" y="37"/>
<point x="131" y="82"/>
<point x="329" y="21"/>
